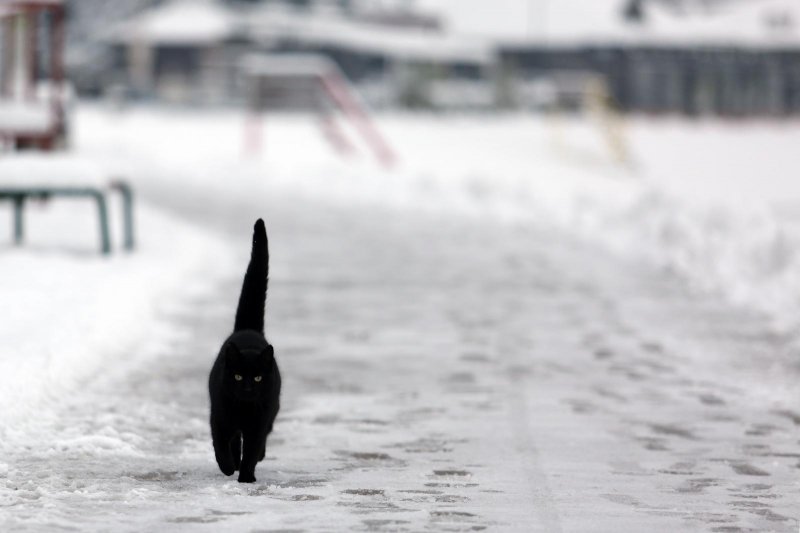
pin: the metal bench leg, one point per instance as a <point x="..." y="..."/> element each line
<point x="102" y="211"/>
<point x="127" y="208"/>
<point x="19" y="228"/>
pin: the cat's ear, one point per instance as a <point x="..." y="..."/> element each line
<point x="268" y="352"/>
<point x="232" y="354"/>
<point x="267" y="358"/>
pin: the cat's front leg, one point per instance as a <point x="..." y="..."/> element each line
<point x="236" y="450"/>
<point x="224" y="459"/>
<point x="222" y="451"/>
<point x="263" y="442"/>
<point x="251" y="449"/>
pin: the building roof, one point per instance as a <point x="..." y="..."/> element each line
<point x="199" y="22"/>
<point x="751" y="23"/>
<point x="180" y="22"/>
<point x="552" y="23"/>
<point x="330" y="28"/>
<point x="756" y="23"/>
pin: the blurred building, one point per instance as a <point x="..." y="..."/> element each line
<point x="190" y="51"/>
<point x="695" y="57"/>
<point x="720" y="57"/>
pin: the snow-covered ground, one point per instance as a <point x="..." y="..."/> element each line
<point x="716" y="202"/>
<point x="478" y="338"/>
<point x="69" y="311"/>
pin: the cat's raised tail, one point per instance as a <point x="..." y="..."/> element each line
<point x="250" y="313"/>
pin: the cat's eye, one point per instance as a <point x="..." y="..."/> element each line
<point x="257" y="379"/>
<point x="237" y="377"/>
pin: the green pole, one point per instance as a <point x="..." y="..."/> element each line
<point x="102" y="211"/>
<point x="127" y="208"/>
<point x="19" y="229"/>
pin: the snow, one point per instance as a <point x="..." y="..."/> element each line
<point x="401" y="43"/>
<point x="679" y="204"/>
<point x="75" y="310"/>
<point x="21" y="116"/>
<point x="179" y="22"/>
<point x="686" y="201"/>
<point x="34" y="170"/>
<point x="478" y="338"/>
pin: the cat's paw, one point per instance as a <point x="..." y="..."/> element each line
<point x="225" y="464"/>
<point x="246" y="478"/>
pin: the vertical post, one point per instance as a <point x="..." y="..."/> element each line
<point x="19" y="229"/>
<point x="141" y="64"/>
<point x="127" y="198"/>
<point x="127" y="211"/>
<point x="32" y="52"/>
<point x="102" y="211"/>
<point x="7" y="53"/>
<point x="57" y="46"/>
<point x="56" y="39"/>
<point x="253" y="133"/>
<point x="19" y="62"/>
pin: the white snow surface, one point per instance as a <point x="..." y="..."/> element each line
<point x="69" y="311"/>
<point x="713" y="201"/>
<point x="19" y="116"/>
<point x="471" y="340"/>
<point x="33" y="170"/>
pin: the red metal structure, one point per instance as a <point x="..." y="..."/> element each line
<point x="310" y="83"/>
<point x="32" y="84"/>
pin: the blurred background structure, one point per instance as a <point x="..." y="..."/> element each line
<point x="692" y="57"/>
<point x="33" y="95"/>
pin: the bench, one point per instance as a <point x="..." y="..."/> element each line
<point x="22" y="180"/>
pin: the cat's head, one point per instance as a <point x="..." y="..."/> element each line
<point x="249" y="371"/>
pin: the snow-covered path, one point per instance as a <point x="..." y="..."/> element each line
<point x="441" y="374"/>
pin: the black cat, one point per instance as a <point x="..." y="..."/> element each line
<point x="245" y="384"/>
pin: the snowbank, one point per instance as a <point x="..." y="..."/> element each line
<point x="70" y="313"/>
<point x="56" y="170"/>
<point x="712" y="202"/>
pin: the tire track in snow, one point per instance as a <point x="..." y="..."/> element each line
<point x="544" y="509"/>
